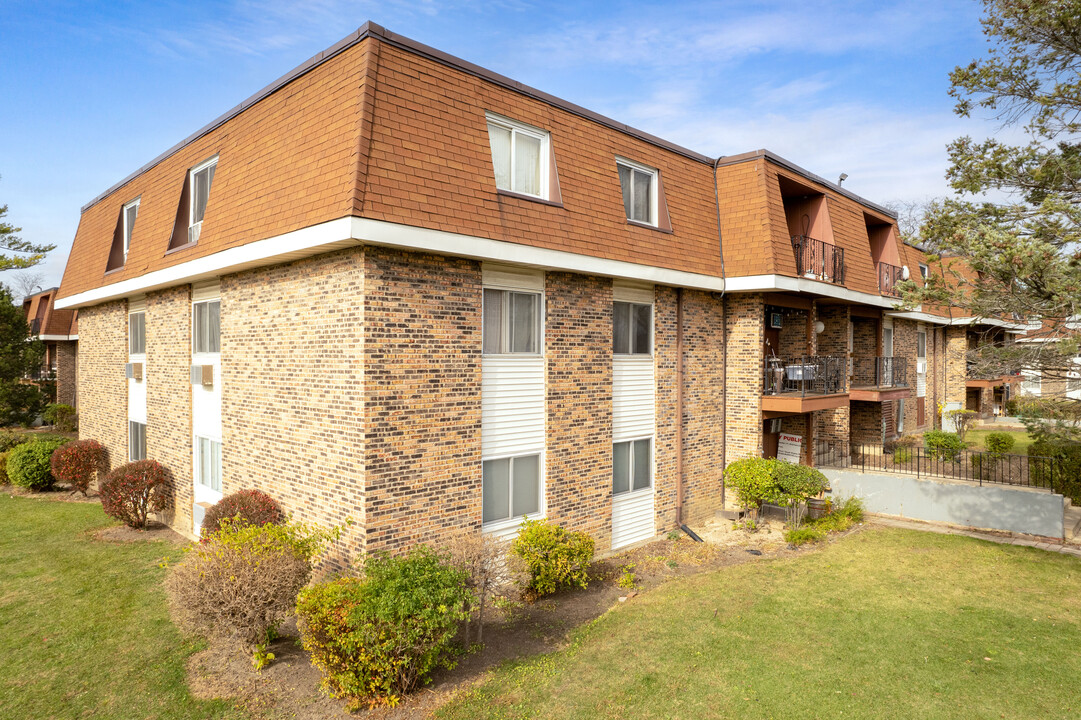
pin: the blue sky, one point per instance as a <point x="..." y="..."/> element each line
<point x="91" y="91"/>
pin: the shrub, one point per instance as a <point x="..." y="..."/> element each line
<point x="1064" y="473"/>
<point x="553" y="557"/>
<point x="483" y="559"/>
<point x="10" y="440"/>
<point x="252" y="507"/>
<point x="4" y="468"/>
<point x="376" y="638"/>
<point x="28" y="464"/>
<point x="841" y="518"/>
<point x="242" y="582"/>
<point x="79" y="462"/>
<point x="902" y="456"/>
<point x="942" y="446"/>
<point x="752" y="479"/>
<point x="131" y="491"/>
<point x="999" y="443"/>
<point x="962" y="421"/>
<point x="62" y="416"/>
<point x="795" y="484"/>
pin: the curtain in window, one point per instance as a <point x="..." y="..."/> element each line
<point x="621" y="467"/>
<point x="625" y="183"/>
<point x="641" y="464"/>
<point x="642" y="196"/>
<point x="525" y="498"/>
<point x="643" y="320"/>
<point x="129" y="224"/>
<point x="499" y="138"/>
<point x="527" y="164"/>
<point x="493" y="320"/>
<point x="523" y="323"/>
<point x="203" y="179"/>
<point x="495" y="493"/>
<point x="621" y="328"/>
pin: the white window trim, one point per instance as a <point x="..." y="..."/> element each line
<point x="652" y="466"/>
<point x="197" y="466"/>
<point x="206" y="355"/>
<point x="545" y="155"/>
<point x="499" y="526"/>
<point x="506" y="326"/>
<point x="925" y="271"/>
<point x="137" y="357"/>
<point x="652" y="322"/>
<point x="131" y="441"/>
<point x="124" y="220"/>
<point x="654" y="190"/>
<point x="191" y="191"/>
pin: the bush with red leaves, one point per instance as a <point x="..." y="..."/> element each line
<point x="253" y="507"/>
<point x="131" y="491"/>
<point x="78" y="463"/>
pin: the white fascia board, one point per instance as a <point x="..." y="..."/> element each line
<point x="766" y="283"/>
<point x="920" y="317"/>
<point x="57" y="338"/>
<point x="1019" y="327"/>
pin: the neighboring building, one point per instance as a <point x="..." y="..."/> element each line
<point x="396" y="287"/>
<point x="59" y="330"/>
<point x="1052" y="382"/>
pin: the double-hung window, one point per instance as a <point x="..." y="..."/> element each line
<point x="136" y="441"/>
<point x="137" y="333"/>
<point x="208" y="463"/>
<point x="639" y="185"/>
<point x="632" y="330"/>
<point x="206" y="326"/>
<point x="632" y="465"/>
<point x="520" y="157"/>
<point x="512" y="322"/>
<point x="131" y="211"/>
<point x="924" y="271"/>
<point x="511" y="488"/>
<point x="199" y="182"/>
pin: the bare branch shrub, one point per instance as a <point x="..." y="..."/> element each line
<point x="483" y="558"/>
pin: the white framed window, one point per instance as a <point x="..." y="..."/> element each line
<point x="924" y="271"/>
<point x="208" y="463"/>
<point x="137" y="333"/>
<point x="136" y="441"/>
<point x="639" y="184"/>
<point x="206" y="326"/>
<point x="511" y="488"/>
<point x="131" y="211"/>
<point x="512" y="322"/>
<point x="200" y="178"/>
<point x="520" y="156"/>
<point x="632" y="328"/>
<point x="632" y="465"/>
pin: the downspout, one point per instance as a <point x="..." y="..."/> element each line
<point x="679" y="408"/>
<point x="724" y="334"/>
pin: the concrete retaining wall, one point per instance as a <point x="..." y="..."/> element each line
<point x="990" y="507"/>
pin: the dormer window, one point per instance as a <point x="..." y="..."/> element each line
<point x="520" y="157"/>
<point x="131" y="211"/>
<point x="200" y="180"/>
<point x="924" y="270"/>
<point x="639" y="185"/>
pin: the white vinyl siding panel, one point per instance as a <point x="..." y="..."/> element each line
<point x="632" y="518"/>
<point x="633" y="397"/>
<point x="512" y="406"/>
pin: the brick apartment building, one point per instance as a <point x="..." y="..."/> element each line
<point x="59" y="330"/>
<point x="399" y="288"/>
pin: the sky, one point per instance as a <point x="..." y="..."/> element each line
<point x="92" y="91"/>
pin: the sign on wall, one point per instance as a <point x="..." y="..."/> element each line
<point x="789" y="448"/>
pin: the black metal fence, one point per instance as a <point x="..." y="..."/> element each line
<point x="888" y="278"/>
<point x="806" y="375"/>
<point x="818" y="259"/>
<point x="880" y="372"/>
<point x="976" y="466"/>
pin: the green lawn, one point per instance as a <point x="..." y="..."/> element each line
<point x="882" y="624"/>
<point x="84" y="632"/>
<point x="977" y="440"/>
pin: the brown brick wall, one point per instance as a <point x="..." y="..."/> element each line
<point x="833" y="340"/>
<point x="743" y="376"/>
<point x="421" y="385"/>
<point x="578" y="355"/>
<point x="793" y="334"/>
<point x="866" y="421"/>
<point x="168" y="395"/>
<point x="66" y="366"/>
<point x="103" y="390"/>
<point x="664" y="369"/>
<point x="864" y="338"/>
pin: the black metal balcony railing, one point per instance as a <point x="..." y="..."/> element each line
<point x="819" y="260"/>
<point x="888" y="278"/>
<point x="805" y="376"/>
<point x="880" y="372"/>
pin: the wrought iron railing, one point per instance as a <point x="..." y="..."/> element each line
<point x="815" y="375"/>
<point x="880" y="372"/>
<point x="819" y="260"/>
<point x="888" y="278"/>
<point x="976" y="466"/>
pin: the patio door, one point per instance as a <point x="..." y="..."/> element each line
<point x="921" y="376"/>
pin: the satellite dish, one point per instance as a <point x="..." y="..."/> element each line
<point x="904" y="272"/>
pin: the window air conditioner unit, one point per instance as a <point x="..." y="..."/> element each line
<point x="202" y="374"/>
<point x="193" y="231"/>
<point x="133" y="371"/>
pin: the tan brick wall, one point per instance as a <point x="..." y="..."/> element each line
<point x="743" y="376"/>
<point x="664" y="369"/>
<point x="103" y="391"/>
<point x="168" y="394"/>
<point x="66" y="365"/>
<point x="422" y="381"/>
<point x="578" y="375"/>
<point x="292" y="398"/>
<point x="956" y="370"/>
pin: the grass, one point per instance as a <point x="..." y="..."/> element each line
<point x="84" y="631"/>
<point x="882" y="624"/>
<point x="977" y="440"/>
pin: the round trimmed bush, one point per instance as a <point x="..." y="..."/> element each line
<point x="999" y="443"/>
<point x="251" y="507"/>
<point x="28" y="465"/>
<point x="131" y="491"/>
<point x="79" y="462"/>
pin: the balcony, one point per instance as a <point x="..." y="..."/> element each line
<point x="879" y="379"/>
<point x="975" y="379"/>
<point x="35" y="327"/>
<point x="819" y="260"/>
<point x="804" y="384"/>
<point x="888" y="278"/>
